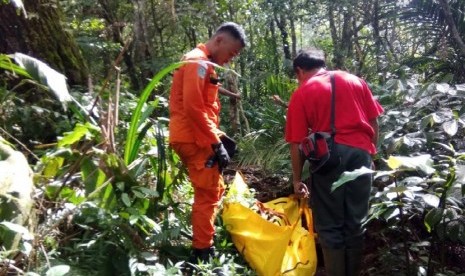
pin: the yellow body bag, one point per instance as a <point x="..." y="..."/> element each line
<point x="270" y="235"/>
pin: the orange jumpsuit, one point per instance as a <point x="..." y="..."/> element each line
<point x="194" y="127"/>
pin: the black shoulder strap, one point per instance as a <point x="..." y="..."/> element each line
<point x="333" y="103"/>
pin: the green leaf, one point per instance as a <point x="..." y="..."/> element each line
<point x="16" y="228"/>
<point x="422" y="162"/>
<point x="349" y="176"/>
<point x="431" y="200"/>
<point x="108" y="198"/>
<point x="92" y="175"/>
<point x="59" y="270"/>
<point x="76" y="135"/>
<point x="450" y="127"/>
<point x="129" y="152"/>
<point x="52" y="166"/>
<point x="133" y="219"/>
<point x="145" y="192"/>
<point x="20" y="6"/>
<point x="432" y="218"/>
<point x="398" y="190"/>
<point x="391" y="213"/>
<point x="45" y="75"/>
<point x="126" y="200"/>
<point x="7" y="64"/>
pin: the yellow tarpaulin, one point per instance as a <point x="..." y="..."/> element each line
<point x="270" y="235"/>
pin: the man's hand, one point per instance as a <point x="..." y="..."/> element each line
<point x="222" y="155"/>
<point x="300" y="189"/>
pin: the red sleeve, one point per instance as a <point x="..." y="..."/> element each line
<point x="194" y="85"/>
<point x="296" y="120"/>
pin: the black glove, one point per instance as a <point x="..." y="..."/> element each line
<point x="221" y="155"/>
<point x="229" y="145"/>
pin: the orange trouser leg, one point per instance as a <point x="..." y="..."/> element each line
<point x="208" y="187"/>
<point x="204" y="212"/>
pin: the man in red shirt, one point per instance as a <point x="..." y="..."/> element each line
<point x="338" y="215"/>
<point x="194" y="129"/>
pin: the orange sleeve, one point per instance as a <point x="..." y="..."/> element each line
<point x="194" y="94"/>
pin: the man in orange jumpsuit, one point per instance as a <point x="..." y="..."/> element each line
<point x="194" y="129"/>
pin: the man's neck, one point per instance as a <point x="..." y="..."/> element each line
<point x="311" y="73"/>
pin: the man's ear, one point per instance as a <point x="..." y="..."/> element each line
<point x="219" y="38"/>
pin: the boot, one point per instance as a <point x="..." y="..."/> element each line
<point x="353" y="261"/>
<point x="202" y="255"/>
<point x="334" y="260"/>
<point x="198" y="256"/>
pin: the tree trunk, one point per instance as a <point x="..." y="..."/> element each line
<point x="293" y="34"/>
<point x="231" y="85"/>
<point x="452" y="27"/>
<point x="117" y="29"/>
<point x="281" y="23"/>
<point x="342" y="34"/>
<point x="42" y="36"/>
<point x="142" y="46"/>
<point x="338" y="57"/>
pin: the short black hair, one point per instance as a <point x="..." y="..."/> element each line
<point x="235" y="30"/>
<point x="309" y="59"/>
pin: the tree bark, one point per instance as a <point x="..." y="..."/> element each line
<point x="42" y="36"/>
<point x="452" y="27"/>
<point x="117" y="28"/>
<point x="281" y="23"/>
<point x="292" y="26"/>
<point x="338" y="57"/>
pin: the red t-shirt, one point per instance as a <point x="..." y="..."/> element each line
<point x="310" y="108"/>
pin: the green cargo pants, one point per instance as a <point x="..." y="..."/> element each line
<point x="338" y="216"/>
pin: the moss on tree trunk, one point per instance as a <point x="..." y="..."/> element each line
<point x="42" y="36"/>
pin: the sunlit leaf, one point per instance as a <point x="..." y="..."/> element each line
<point x="449" y="148"/>
<point x="421" y="162"/>
<point x="76" y="135"/>
<point x="59" y="270"/>
<point x="450" y="127"/>
<point x="391" y="213"/>
<point x="52" y="166"/>
<point x="155" y="227"/>
<point x="442" y="87"/>
<point x="394" y="162"/>
<point x="7" y="64"/>
<point x="16" y="228"/>
<point x="19" y="5"/>
<point x="412" y="181"/>
<point x="349" y="176"/>
<point x="460" y="87"/>
<point x="45" y="75"/>
<point x="431" y="200"/>
<point x="379" y="174"/>
<point x="133" y="219"/>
